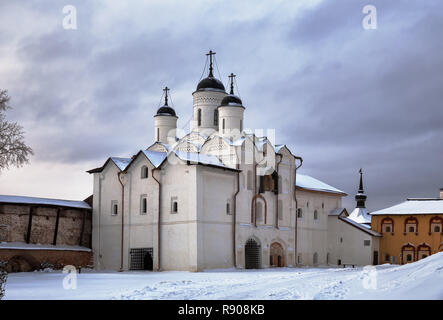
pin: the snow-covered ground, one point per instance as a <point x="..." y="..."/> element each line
<point x="419" y="280"/>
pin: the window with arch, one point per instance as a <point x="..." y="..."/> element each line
<point x="224" y="124"/>
<point x="280" y="210"/>
<point x="174" y="205"/>
<point x="158" y="134"/>
<point x="114" y="207"/>
<point x="143" y="204"/>
<point x="423" y="251"/>
<point x="228" y="207"/>
<point x="249" y="178"/>
<point x="241" y="125"/>
<point x="435" y="225"/>
<point x="299" y="213"/>
<point x="144" y="172"/>
<point x="315" y="258"/>
<point x="411" y="225"/>
<point x="387" y="225"/>
<point x="315" y="215"/>
<point x="199" y="117"/>
<point x="216" y="117"/>
<point x="259" y="211"/>
<point x="407" y="253"/>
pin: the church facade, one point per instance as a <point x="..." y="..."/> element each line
<point x="218" y="197"/>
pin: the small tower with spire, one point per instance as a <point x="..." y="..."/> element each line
<point x="230" y="113"/>
<point x="165" y="122"/>
<point x="210" y="92"/>
<point x="360" y="197"/>
<point x="360" y="213"/>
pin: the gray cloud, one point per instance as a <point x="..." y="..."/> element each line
<point x="339" y="96"/>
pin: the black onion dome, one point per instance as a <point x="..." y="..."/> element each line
<point x="211" y="83"/>
<point x="231" y="100"/>
<point x="166" y="111"/>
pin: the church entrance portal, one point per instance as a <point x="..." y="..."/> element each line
<point x="252" y="255"/>
<point x="277" y="255"/>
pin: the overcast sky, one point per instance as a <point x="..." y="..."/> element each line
<point x="338" y="95"/>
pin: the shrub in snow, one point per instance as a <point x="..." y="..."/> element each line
<point x="3" y="277"/>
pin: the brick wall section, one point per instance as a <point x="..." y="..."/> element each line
<point x="14" y="225"/>
<point x="14" y="220"/>
<point x="28" y="260"/>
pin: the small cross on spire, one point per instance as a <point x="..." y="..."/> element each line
<point x="361" y="181"/>
<point x="210" y="54"/>
<point x="231" y="77"/>
<point x="166" y="89"/>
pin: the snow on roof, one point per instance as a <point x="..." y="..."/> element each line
<point x="155" y="157"/>
<point x="167" y="146"/>
<point x="360" y="226"/>
<point x="239" y="141"/>
<point x="310" y="183"/>
<point x="44" y="201"/>
<point x="200" y="158"/>
<point x="414" y="206"/>
<point x="337" y="212"/>
<point x="360" y="215"/>
<point x="278" y="147"/>
<point x="121" y="163"/>
<point x="30" y="246"/>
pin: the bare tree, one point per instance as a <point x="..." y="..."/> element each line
<point x="13" y="150"/>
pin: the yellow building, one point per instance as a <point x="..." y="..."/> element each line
<point x="412" y="230"/>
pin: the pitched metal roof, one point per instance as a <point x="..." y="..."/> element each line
<point x="414" y="206"/>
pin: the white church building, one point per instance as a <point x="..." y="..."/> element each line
<point x="220" y="197"/>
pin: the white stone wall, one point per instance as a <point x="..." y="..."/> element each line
<point x="313" y="234"/>
<point x="207" y="102"/>
<point x="106" y="228"/>
<point x="215" y="225"/>
<point x="165" y="129"/>
<point x="200" y="235"/>
<point x="346" y="243"/>
<point x="232" y="117"/>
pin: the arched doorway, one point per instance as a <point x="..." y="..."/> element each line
<point x="148" y="263"/>
<point x="252" y="255"/>
<point x="277" y="255"/>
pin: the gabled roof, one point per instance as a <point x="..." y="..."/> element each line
<point x="360" y="226"/>
<point x="156" y="158"/>
<point x="338" y="211"/>
<point x="44" y="202"/>
<point x="414" y="206"/>
<point x="310" y="183"/>
<point x="121" y="164"/>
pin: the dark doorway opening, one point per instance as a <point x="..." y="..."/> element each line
<point x="141" y="259"/>
<point x="148" y="262"/>
<point x="252" y="255"/>
<point x="375" y="260"/>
